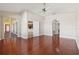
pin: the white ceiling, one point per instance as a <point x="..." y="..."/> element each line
<point x="37" y="7"/>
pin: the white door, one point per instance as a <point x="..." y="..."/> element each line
<point x="35" y="28"/>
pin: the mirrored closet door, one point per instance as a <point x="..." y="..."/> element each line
<point x="55" y="27"/>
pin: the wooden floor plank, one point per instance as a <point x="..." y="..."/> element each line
<point x="41" y="45"/>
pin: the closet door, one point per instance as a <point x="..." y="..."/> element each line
<point x="35" y="28"/>
<point x="7" y="28"/>
<point x="55" y="27"/>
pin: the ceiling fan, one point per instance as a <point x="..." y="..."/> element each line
<point x="45" y="10"/>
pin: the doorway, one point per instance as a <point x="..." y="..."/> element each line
<point x="7" y="31"/>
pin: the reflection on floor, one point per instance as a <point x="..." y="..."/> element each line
<point x="41" y="45"/>
<point x="8" y="35"/>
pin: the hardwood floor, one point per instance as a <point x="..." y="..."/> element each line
<point x="41" y="45"/>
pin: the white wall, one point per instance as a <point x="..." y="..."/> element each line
<point x="48" y="25"/>
<point x="19" y="27"/>
<point x="36" y="28"/>
<point x="48" y="28"/>
<point x="23" y="21"/>
<point x="35" y="17"/>
<point x="41" y="27"/>
<point x="67" y="25"/>
<point x="77" y="28"/>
